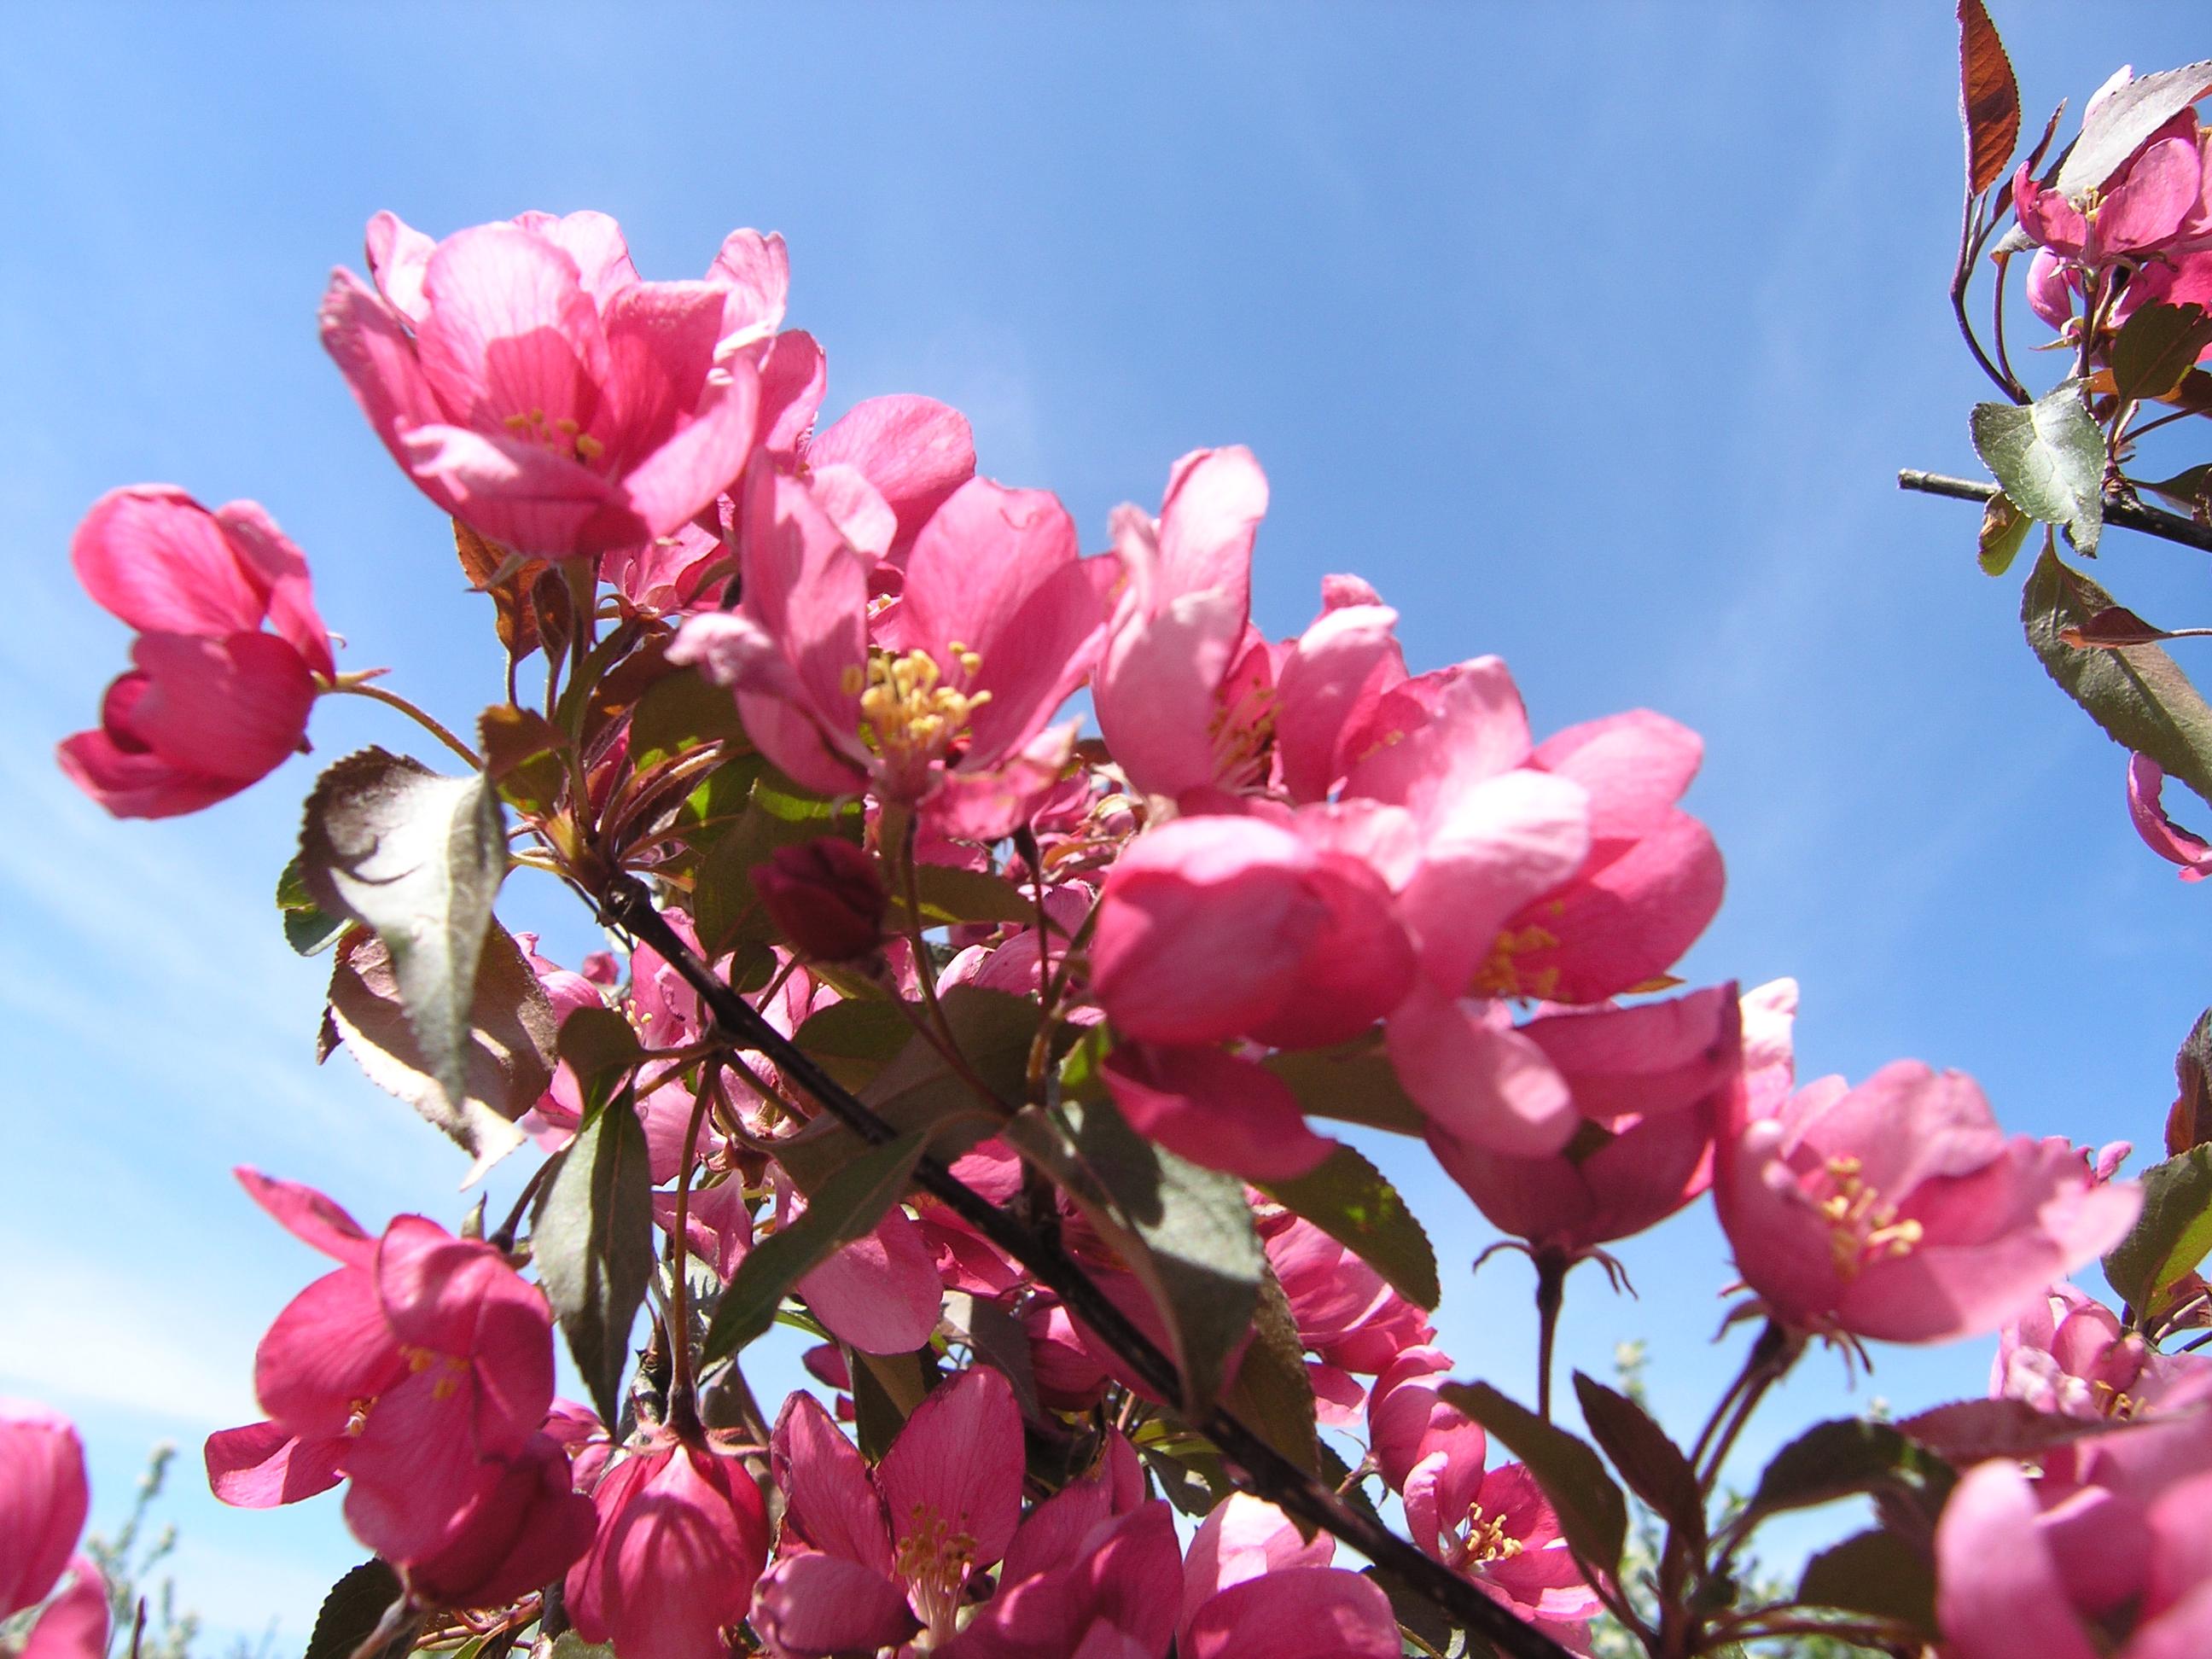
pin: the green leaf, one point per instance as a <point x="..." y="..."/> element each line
<point x="1081" y="1074"/>
<point x="592" y="1239"/>
<point x="1185" y="1232"/>
<point x="2136" y="693"/>
<point x="2156" y="347"/>
<point x="2172" y="1234"/>
<point x="2004" y="529"/>
<point x="1273" y="1391"/>
<point x="1843" y="1458"/>
<point x="886" y="1388"/>
<point x="1592" y="1515"/>
<point x="510" y="1050"/>
<point x="2123" y="119"/>
<point x="846" y="1208"/>
<point x="949" y="894"/>
<point x="1347" y="1198"/>
<point x="419" y="858"/>
<point x="1353" y="1083"/>
<point x="680" y="711"/>
<point x="525" y="757"/>
<point x="725" y="906"/>
<point x="356" y="1609"/>
<point x="602" y="1049"/>
<point x="1189" y="1472"/>
<point x="1652" y="1465"/>
<point x="2050" y="458"/>
<point x="308" y="928"/>
<point x="1874" y="1572"/>
<point x="856" y="1040"/>
<point x="569" y="1645"/>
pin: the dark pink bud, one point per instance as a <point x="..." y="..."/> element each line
<point x="826" y="897"/>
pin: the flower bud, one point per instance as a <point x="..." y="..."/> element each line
<point x="826" y="897"/>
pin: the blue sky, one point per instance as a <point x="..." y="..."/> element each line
<point x="1593" y="335"/>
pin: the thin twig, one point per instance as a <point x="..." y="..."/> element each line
<point x="2118" y="510"/>
<point x="1265" y="1471"/>
<point x="393" y="700"/>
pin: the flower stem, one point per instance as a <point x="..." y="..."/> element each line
<point x="1552" y="1268"/>
<point x="346" y="686"/>
<point x="682" y="1409"/>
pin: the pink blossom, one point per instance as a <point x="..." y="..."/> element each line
<point x="525" y="1522"/>
<point x="2067" y="1352"/>
<point x="871" y="1555"/>
<point x="214" y="702"/>
<point x="1496" y="1528"/>
<point x="423" y="1359"/>
<point x="1652" y="880"/>
<point x="1253" y="1585"/>
<point x="1216" y="1109"/>
<point x="1408" y="1421"/>
<point x="1093" y="1571"/>
<point x="2152" y="201"/>
<point x="535" y="389"/>
<point x="2105" y="1556"/>
<point x="1179" y="626"/>
<point x="43" y="1503"/>
<point x="1349" y="1318"/>
<point x="998" y="624"/>
<point x="1899" y="1211"/>
<point x="1649" y="1084"/>
<point x="1222" y="927"/>
<point x="682" y="1536"/>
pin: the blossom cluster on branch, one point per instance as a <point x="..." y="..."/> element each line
<point x="1001" y="1061"/>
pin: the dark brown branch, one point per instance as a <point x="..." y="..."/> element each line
<point x="1265" y="1471"/>
<point x="2118" y="509"/>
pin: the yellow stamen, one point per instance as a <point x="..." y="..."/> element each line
<point x="1502" y="976"/>
<point x="1862" y="1229"/>
<point x="907" y="714"/>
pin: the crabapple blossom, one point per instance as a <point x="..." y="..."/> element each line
<point x="943" y="702"/>
<point x="871" y="1555"/>
<point x="1252" y="1585"/>
<point x="416" y="1371"/>
<point x="1899" y="1211"/>
<point x="214" y="700"/>
<point x="2102" y="1555"/>
<point x="534" y="387"/>
<point x="682" y="1536"/>
<point x="1650" y="1084"/>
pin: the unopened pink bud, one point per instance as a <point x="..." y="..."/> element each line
<point x="825" y="898"/>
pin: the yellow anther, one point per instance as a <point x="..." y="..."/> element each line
<point x="1502" y="975"/>
<point x="1862" y="1229"/>
<point x="1488" y="1539"/>
<point x="933" y="1561"/>
<point x="907" y="714"/>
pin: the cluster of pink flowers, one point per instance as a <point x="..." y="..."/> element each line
<point x="1284" y="853"/>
